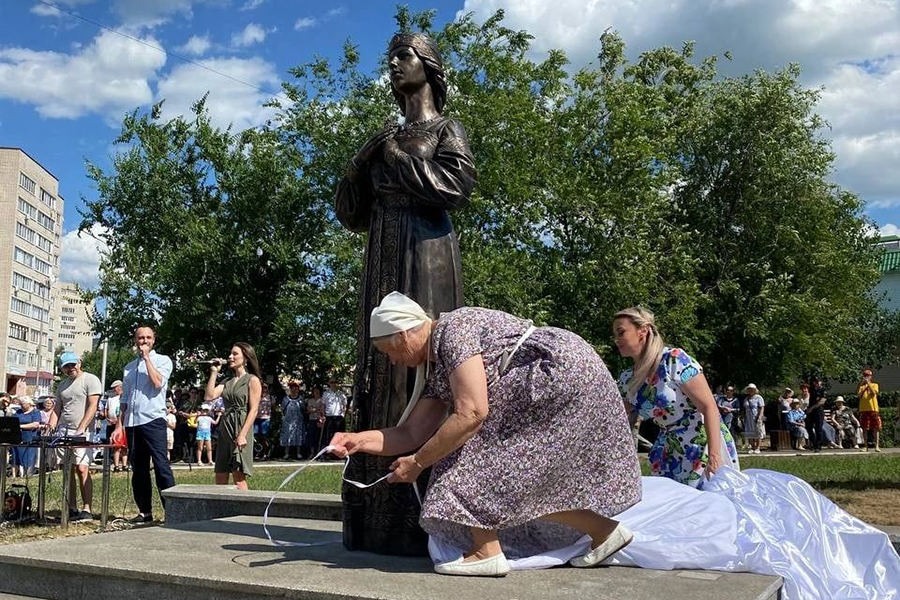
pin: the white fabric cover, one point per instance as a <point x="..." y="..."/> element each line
<point x="396" y="313"/>
<point x="753" y="521"/>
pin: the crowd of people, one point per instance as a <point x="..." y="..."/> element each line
<point x="813" y="419"/>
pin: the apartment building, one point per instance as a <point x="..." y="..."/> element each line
<point x="31" y="214"/>
<point x="74" y="332"/>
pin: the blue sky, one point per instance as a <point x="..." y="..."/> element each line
<point x="65" y="83"/>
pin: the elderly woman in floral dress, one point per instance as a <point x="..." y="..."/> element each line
<point x="535" y="451"/>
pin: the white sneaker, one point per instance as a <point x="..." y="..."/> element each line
<point x="495" y="566"/>
<point x="620" y="537"/>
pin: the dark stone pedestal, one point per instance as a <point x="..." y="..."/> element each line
<point x="384" y="518"/>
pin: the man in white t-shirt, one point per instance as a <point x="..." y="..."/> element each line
<point x="335" y="403"/>
<point x="76" y="403"/>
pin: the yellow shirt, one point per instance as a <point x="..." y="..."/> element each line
<point x="868" y="397"/>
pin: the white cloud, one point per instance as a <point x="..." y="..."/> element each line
<point x="335" y="12"/>
<point x="150" y="13"/>
<point x="249" y="35"/>
<point x="229" y="102"/>
<point x="108" y="77"/>
<point x="80" y="257"/>
<point x="305" y="23"/>
<point x="862" y="103"/>
<point x="196" y="45"/>
<point x="252" y="4"/>
<point x="889" y="229"/>
<point x="841" y="44"/>
<point x="45" y="10"/>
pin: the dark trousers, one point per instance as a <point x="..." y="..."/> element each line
<point x="145" y="442"/>
<point x="815" y="422"/>
<point x="332" y="426"/>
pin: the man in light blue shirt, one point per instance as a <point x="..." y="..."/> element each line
<point x="143" y="414"/>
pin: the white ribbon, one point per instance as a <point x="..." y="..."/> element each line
<point x="287" y="479"/>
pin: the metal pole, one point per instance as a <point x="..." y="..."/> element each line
<point x="4" y="449"/>
<point x="42" y="480"/>
<point x="104" y="507"/>
<point x="67" y="482"/>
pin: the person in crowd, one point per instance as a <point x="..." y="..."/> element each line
<point x="869" y="415"/>
<point x="796" y="421"/>
<point x="815" y="415"/>
<point x="667" y="385"/>
<point x="784" y="404"/>
<point x="204" y="434"/>
<point x="335" y="404"/>
<point x="113" y="408"/>
<point x="171" y="423"/>
<point x="293" y="426"/>
<point x="754" y="429"/>
<point x="187" y="412"/>
<point x="846" y="423"/>
<point x="263" y="416"/>
<point x="5" y="408"/>
<point x="25" y="457"/>
<point x="76" y="402"/>
<point x="728" y="406"/>
<point x="47" y="410"/>
<point x="506" y="385"/>
<point x="143" y="415"/>
<point x="804" y="396"/>
<point x="315" y="423"/>
<point x="240" y="393"/>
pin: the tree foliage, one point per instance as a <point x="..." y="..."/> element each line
<point x="656" y="182"/>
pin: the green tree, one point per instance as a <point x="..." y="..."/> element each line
<point x="116" y="361"/>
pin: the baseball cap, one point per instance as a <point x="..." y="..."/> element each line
<point x="67" y="358"/>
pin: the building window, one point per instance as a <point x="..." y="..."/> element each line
<point x="42" y="267"/>
<point x="24" y="258"/>
<point x="16" y="357"/>
<point x="22" y="282"/>
<point x="26" y="234"/>
<point x="45" y="221"/>
<point x="26" y="183"/>
<point x="20" y="307"/>
<point x="18" y="332"/>
<point x="47" y="198"/>
<point x="44" y="244"/>
<point x="27" y="209"/>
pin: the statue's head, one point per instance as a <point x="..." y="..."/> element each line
<point x="427" y="51"/>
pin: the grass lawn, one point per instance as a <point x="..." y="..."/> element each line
<point x="865" y="486"/>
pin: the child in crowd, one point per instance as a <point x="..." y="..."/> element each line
<point x="204" y="433"/>
<point x="171" y="423"/>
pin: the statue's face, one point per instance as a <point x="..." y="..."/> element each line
<point x="407" y="71"/>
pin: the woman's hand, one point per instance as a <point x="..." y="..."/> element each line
<point x="713" y="464"/>
<point x="344" y="444"/>
<point x="404" y="470"/>
<point x="240" y="441"/>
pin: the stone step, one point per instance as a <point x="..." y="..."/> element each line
<point x="230" y="559"/>
<point x="187" y="503"/>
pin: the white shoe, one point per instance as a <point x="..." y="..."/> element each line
<point x="620" y="537"/>
<point x="495" y="566"/>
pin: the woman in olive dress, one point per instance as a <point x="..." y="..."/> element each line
<point x="398" y="189"/>
<point x="241" y="393"/>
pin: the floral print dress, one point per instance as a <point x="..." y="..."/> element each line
<point x="680" y="450"/>
<point x="555" y="438"/>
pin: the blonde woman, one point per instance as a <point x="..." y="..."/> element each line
<point x="668" y="386"/>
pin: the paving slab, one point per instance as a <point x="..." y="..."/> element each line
<point x="230" y="559"/>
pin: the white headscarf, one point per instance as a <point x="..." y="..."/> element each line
<point x="396" y="313"/>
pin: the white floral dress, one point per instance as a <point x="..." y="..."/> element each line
<point x="680" y="451"/>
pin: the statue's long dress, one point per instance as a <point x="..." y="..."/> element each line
<point x="411" y="248"/>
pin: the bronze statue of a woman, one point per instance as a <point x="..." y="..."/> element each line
<point x="398" y="188"/>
